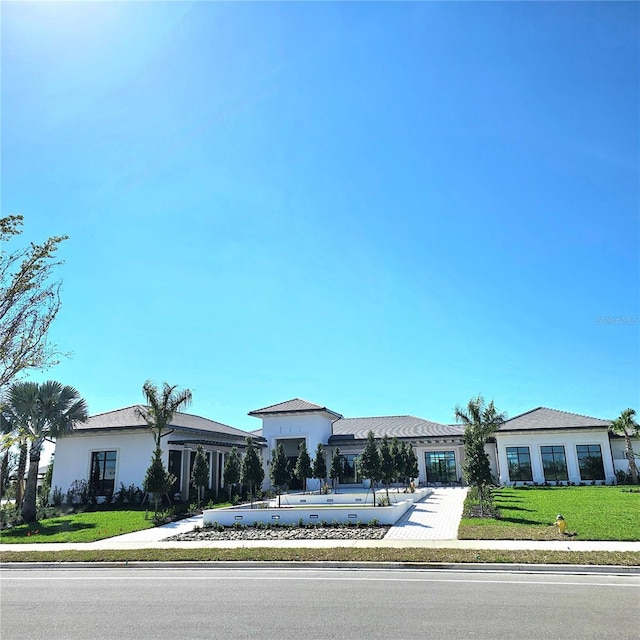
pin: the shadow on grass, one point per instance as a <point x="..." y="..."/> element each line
<point x="52" y="528"/>
<point x="523" y="521"/>
<point x="507" y="507"/>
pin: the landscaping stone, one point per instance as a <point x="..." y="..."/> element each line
<point x="285" y="533"/>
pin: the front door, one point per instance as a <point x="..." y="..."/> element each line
<point x="441" y="467"/>
<point x="175" y="468"/>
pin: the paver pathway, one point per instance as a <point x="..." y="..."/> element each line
<point x="437" y="517"/>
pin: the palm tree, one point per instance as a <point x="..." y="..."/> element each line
<point x="161" y="405"/>
<point x="480" y="420"/>
<point x="158" y="414"/>
<point x="625" y="425"/>
<point x="39" y="412"/>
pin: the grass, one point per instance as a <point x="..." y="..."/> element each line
<point x="352" y="554"/>
<point x="87" y="526"/>
<point x="528" y="513"/>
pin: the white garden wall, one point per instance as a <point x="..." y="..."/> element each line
<point x="309" y="515"/>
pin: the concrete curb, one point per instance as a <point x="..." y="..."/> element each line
<point x="570" y="569"/>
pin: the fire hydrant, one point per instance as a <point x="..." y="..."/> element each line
<point x="561" y="524"/>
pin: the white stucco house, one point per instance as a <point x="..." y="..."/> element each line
<point x="115" y="448"/>
<point x="541" y="445"/>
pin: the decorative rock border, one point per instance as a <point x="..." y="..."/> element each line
<point x="284" y="533"/>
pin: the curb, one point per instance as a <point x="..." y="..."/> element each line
<point x="570" y="569"/>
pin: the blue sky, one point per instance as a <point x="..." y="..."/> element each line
<point x="386" y="208"/>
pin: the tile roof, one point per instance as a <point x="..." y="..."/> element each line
<point x="543" y="418"/>
<point x="296" y="405"/>
<point x="129" y="418"/>
<point x="399" y="426"/>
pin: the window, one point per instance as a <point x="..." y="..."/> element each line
<point x="350" y="474"/>
<point x="103" y="472"/>
<point x="441" y="466"/>
<point x="590" y="462"/>
<point x="519" y="461"/>
<point x="554" y="463"/>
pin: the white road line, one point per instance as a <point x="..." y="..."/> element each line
<point x="634" y="584"/>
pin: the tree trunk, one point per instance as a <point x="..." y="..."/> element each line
<point x="633" y="469"/>
<point x="29" y="511"/>
<point x="22" y="467"/>
<point x="4" y="467"/>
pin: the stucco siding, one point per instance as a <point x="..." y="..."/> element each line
<point x="567" y="439"/>
<point x="73" y="457"/>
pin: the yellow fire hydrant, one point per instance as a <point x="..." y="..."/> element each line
<point x="561" y="524"/>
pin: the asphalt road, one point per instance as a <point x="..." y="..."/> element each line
<point x="294" y="604"/>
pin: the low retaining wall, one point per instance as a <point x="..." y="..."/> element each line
<point x="308" y="514"/>
<point x="352" y="498"/>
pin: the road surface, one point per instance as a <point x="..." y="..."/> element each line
<point x="141" y="603"/>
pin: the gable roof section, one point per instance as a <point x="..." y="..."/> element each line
<point x="390" y="426"/>
<point x="544" y="418"/>
<point x="129" y="418"/>
<point x="296" y="405"/>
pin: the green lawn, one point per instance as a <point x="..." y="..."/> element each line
<point x="336" y="554"/>
<point x="79" y="527"/>
<point x="528" y="513"/>
<point x="87" y="526"/>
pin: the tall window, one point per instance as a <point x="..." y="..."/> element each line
<point x="103" y="472"/>
<point x="350" y="473"/>
<point x="554" y="463"/>
<point x="590" y="462"/>
<point x="519" y="461"/>
<point x="441" y="466"/>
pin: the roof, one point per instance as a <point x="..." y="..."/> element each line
<point x="392" y="426"/>
<point x="130" y="418"/>
<point x="544" y="418"/>
<point x="296" y="405"/>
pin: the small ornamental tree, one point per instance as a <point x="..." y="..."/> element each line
<point x="387" y="464"/>
<point x="252" y="471"/>
<point x="157" y="481"/>
<point x="394" y="449"/>
<point x="335" y="472"/>
<point x="200" y="472"/>
<point x="279" y="472"/>
<point x="303" y="465"/>
<point x="401" y="464"/>
<point x="370" y="466"/>
<point x="410" y="463"/>
<point x="232" y="469"/>
<point x="320" y="466"/>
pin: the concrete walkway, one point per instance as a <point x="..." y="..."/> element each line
<point x="437" y="517"/>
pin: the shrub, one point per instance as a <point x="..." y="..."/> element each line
<point x="78" y="493"/>
<point x="56" y="497"/>
<point x="128" y="495"/>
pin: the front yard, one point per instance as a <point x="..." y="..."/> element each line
<point x="87" y="526"/>
<point x="528" y="513"/>
<point x="90" y="525"/>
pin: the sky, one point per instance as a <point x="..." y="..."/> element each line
<point x="382" y="208"/>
